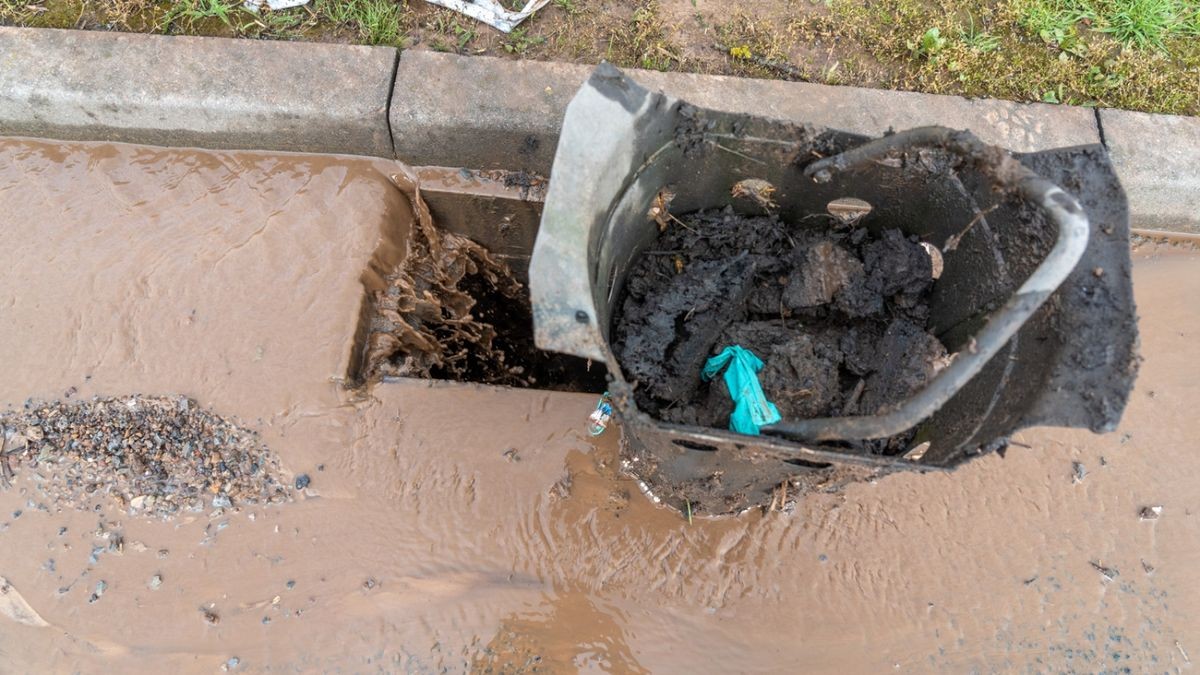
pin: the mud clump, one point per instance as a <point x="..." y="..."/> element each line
<point x="839" y="318"/>
<point x="156" y="456"/>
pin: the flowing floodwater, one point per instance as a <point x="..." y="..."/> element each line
<point x="455" y="527"/>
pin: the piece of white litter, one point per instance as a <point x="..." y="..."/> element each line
<point x="1150" y="512"/>
<point x="491" y="12"/>
<point x="255" y="5"/>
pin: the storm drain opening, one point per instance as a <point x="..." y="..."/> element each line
<point x="449" y="309"/>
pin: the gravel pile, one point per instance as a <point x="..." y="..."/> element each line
<point x="153" y="455"/>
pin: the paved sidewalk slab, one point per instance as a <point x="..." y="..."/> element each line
<point x="205" y="92"/>
<point x="484" y="112"/>
<point x="1157" y="158"/>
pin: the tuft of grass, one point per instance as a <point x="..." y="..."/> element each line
<point x="1142" y="23"/>
<point x="1139" y="24"/>
<point x="374" y="22"/>
<point x="977" y="39"/>
<point x="195" y="15"/>
<point x="642" y="42"/>
<point x="519" y="41"/>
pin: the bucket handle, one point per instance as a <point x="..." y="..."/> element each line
<point x="1009" y="175"/>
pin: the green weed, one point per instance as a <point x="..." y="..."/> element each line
<point x="190" y="12"/>
<point x="929" y="44"/>
<point x="519" y="41"/>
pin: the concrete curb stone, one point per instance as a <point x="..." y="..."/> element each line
<point x="205" y="92"/>
<point x="1158" y="160"/>
<point x="490" y="113"/>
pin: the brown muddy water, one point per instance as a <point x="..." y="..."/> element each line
<point x="462" y="528"/>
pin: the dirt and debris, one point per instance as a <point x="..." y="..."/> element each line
<point x="839" y="318"/>
<point x="1109" y="573"/>
<point x="451" y="310"/>
<point x="155" y="456"/>
<point x="1078" y="472"/>
<point x="98" y="592"/>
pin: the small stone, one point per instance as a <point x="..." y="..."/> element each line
<point x="211" y="618"/>
<point x="266" y="620"/>
<point x="1150" y="512"/>
<point x="163" y="553"/>
<point x="291" y="584"/>
<point x="370" y="584"/>
<point x="155" y="582"/>
<point x="1079" y="472"/>
<point x="101" y="586"/>
<point x="1109" y="573"/>
<point x="302" y="481"/>
<point x="232" y="663"/>
<point x="221" y="502"/>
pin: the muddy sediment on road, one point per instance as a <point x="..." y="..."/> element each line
<point x="838" y="316"/>
<point x="455" y="528"/>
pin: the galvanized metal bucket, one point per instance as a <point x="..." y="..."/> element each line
<point x="1035" y="301"/>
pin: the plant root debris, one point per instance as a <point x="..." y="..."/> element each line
<point x="839" y="318"/>
<point x="155" y="456"/>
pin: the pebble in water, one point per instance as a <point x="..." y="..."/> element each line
<point x="101" y="586"/>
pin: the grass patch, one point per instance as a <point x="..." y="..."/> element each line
<point x="375" y="22"/>
<point x="1060" y="51"/>
<point x="1142" y="24"/>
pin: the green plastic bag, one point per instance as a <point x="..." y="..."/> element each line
<point x="751" y="409"/>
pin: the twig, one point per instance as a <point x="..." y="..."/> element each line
<point x="689" y="510"/>
<point x="854" y="396"/>
<point x="681" y="223"/>
<point x="739" y="154"/>
<point x="953" y="240"/>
